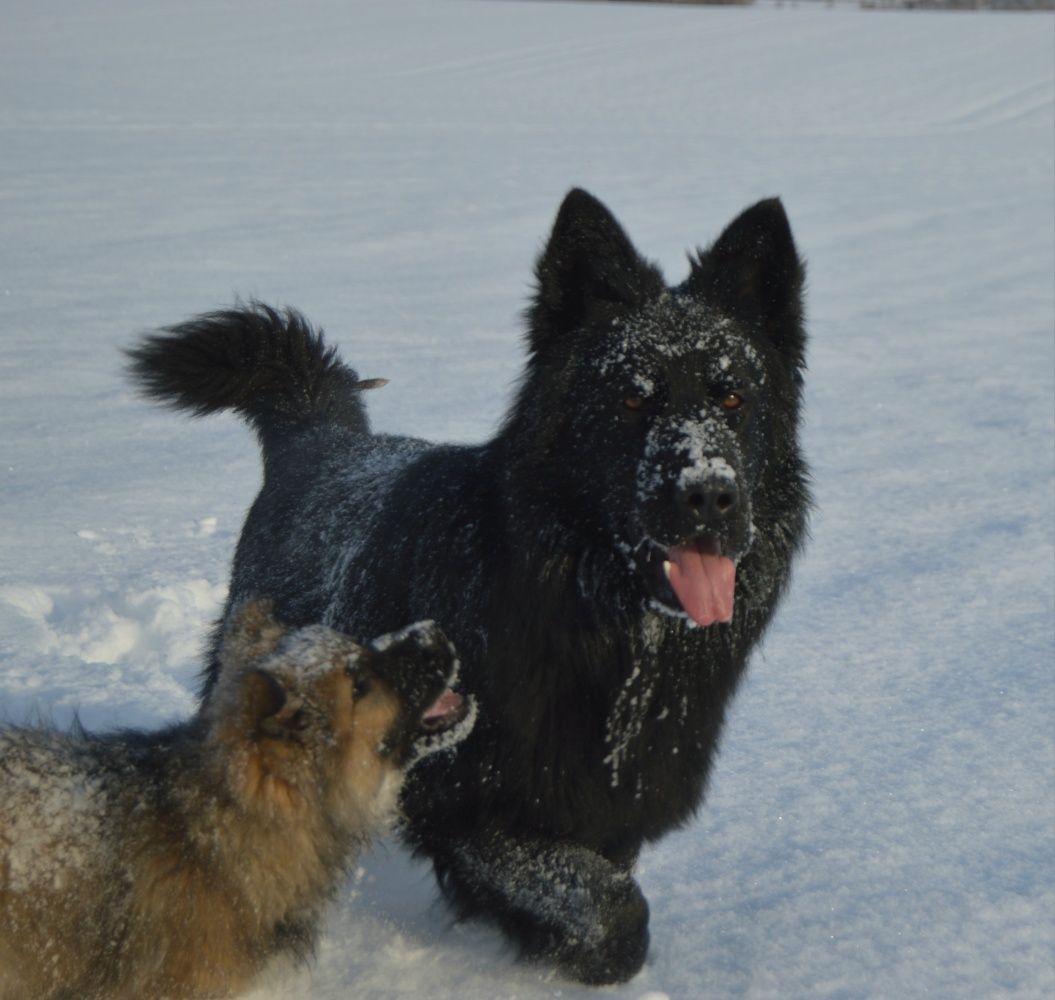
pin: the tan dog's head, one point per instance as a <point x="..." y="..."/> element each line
<point x="313" y="721"/>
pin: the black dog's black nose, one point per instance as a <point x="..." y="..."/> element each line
<point x="709" y="502"/>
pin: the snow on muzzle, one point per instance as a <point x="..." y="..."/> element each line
<point x="421" y="666"/>
<point x="690" y="493"/>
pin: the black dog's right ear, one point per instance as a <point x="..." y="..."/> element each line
<point x="588" y="262"/>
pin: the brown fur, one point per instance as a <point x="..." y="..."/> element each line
<point x="175" y="865"/>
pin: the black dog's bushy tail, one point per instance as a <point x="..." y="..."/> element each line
<point x="268" y="365"/>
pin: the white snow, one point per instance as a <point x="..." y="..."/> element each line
<point x="881" y="822"/>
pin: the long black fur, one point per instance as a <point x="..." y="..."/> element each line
<point x="647" y="417"/>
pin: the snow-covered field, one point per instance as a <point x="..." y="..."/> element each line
<point x="882" y="822"/>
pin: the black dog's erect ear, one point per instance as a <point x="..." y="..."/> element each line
<point x="587" y="261"/>
<point x="754" y="272"/>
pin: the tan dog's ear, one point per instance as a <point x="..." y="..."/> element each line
<point x="251" y="633"/>
<point x="263" y="697"/>
<point x="269" y="709"/>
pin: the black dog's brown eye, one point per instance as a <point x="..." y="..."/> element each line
<point x="634" y="402"/>
<point x="733" y="401"/>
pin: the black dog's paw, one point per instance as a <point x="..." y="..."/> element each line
<point x="618" y="950"/>
<point x="560" y="903"/>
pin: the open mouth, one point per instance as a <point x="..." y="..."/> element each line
<point x="447" y="710"/>
<point x="444" y="724"/>
<point x="695" y="578"/>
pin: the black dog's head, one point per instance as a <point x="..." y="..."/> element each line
<point x="660" y="420"/>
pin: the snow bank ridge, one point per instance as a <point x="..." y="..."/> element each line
<point x="160" y="626"/>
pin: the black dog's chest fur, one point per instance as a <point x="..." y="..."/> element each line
<point x="599" y="731"/>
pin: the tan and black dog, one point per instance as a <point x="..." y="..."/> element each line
<point x="176" y="863"/>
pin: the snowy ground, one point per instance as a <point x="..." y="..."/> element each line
<point x="881" y="823"/>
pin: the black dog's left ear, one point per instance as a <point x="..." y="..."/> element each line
<point x="588" y="262"/>
<point x="754" y="272"/>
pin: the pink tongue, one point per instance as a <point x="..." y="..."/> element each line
<point x="703" y="582"/>
<point x="447" y="703"/>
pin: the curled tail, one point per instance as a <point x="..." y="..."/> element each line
<point x="268" y="365"/>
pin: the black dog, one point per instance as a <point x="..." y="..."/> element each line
<point x="604" y="564"/>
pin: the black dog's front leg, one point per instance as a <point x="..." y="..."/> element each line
<point x="558" y="901"/>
